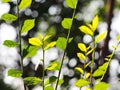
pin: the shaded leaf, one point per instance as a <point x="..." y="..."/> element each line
<point x="101" y="86"/>
<point x="72" y="3"/>
<point x="67" y="23"/>
<point x="28" y="25"/>
<point x="81" y="56"/>
<point x="9" y="17"/>
<point x="5" y="1"/>
<point x="50" y="80"/>
<point x="14" y="73"/>
<point x="35" y="41"/>
<point x="79" y="69"/>
<point x="95" y="22"/>
<point x="24" y="4"/>
<point x="81" y="83"/>
<point x="10" y="43"/>
<point x="61" y="43"/>
<point x="32" y="80"/>
<point x="49" y="45"/>
<point x="49" y="88"/>
<point x="86" y="30"/>
<point x="100" y="37"/>
<point x="82" y="47"/>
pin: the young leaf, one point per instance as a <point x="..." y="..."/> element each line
<point x="87" y="75"/>
<point x="82" y="47"/>
<point x="101" y="86"/>
<point x="9" y="17"/>
<point x="32" y="80"/>
<point x="81" y="83"/>
<point x="72" y="3"/>
<point x="90" y="51"/>
<point x="81" y="56"/>
<point x="86" y="30"/>
<point x="47" y="37"/>
<point x="118" y="37"/>
<point x="79" y="69"/>
<point x="61" y="43"/>
<point x="10" y="43"/>
<point x="28" y="25"/>
<point x="29" y="51"/>
<point x="35" y="41"/>
<point x="24" y="4"/>
<point x="52" y="44"/>
<point x="95" y="22"/>
<point x="5" y="1"/>
<point x="14" y="73"/>
<point x="67" y="23"/>
<point x="100" y="37"/>
<point x="49" y="88"/>
<point x="50" y="80"/>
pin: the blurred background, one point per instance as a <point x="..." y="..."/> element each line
<point x="48" y="15"/>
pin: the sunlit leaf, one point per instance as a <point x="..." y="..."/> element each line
<point x="88" y="89"/>
<point x="72" y="3"/>
<point x="29" y="51"/>
<point x="82" y="47"/>
<point x="81" y="56"/>
<point x="35" y="41"/>
<point x="87" y="75"/>
<point x="90" y="51"/>
<point x="49" y="88"/>
<point x="61" y="81"/>
<point x="9" y="17"/>
<point x="50" y="80"/>
<point x="104" y="66"/>
<point x="95" y="22"/>
<point x="61" y="43"/>
<point x="100" y="37"/>
<point x="52" y="44"/>
<point x="28" y="25"/>
<point x="79" y="69"/>
<point x="47" y="37"/>
<point x="67" y="23"/>
<point x="10" y="43"/>
<point x="40" y="36"/>
<point x="81" y="83"/>
<point x="24" y="4"/>
<point x="32" y="80"/>
<point x="118" y="37"/>
<point x="86" y="30"/>
<point x="5" y="1"/>
<point x="101" y="86"/>
<point x="14" y="73"/>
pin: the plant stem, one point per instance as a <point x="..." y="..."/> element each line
<point x="20" y="44"/>
<point x="63" y="56"/>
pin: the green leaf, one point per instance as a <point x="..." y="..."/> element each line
<point x="24" y="4"/>
<point x="14" y="73"/>
<point x="95" y="22"/>
<point x="49" y="45"/>
<point x="49" y="88"/>
<point x="86" y="30"/>
<point x="61" y="81"/>
<point x="118" y="37"/>
<point x="35" y="41"/>
<point x="61" y="43"/>
<point x="82" y="47"/>
<point x="81" y="56"/>
<point x="67" y="23"/>
<point x="87" y="75"/>
<point x="100" y="37"/>
<point x="79" y="69"/>
<point x="10" y="43"/>
<point x="54" y="66"/>
<point x="101" y="86"/>
<point x="28" y="25"/>
<point x="81" y="83"/>
<point x="29" y="51"/>
<point x="32" y="80"/>
<point x="90" y="51"/>
<point x="9" y="17"/>
<point x="72" y="3"/>
<point x="47" y="37"/>
<point x="5" y="1"/>
<point x="50" y="80"/>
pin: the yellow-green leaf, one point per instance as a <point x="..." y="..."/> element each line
<point x="101" y="86"/>
<point x="86" y="30"/>
<point x="40" y="36"/>
<point x="81" y="56"/>
<point x="52" y="44"/>
<point x="90" y="51"/>
<point x="79" y="69"/>
<point x="100" y="37"/>
<point x="82" y="47"/>
<point x="47" y="37"/>
<point x="72" y="3"/>
<point x="87" y="75"/>
<point x="5" y="1"/>
<point x="118" y="37"/>
<point x="67" y="23"/>
<point x="14" y="73"/>
<point x="95" y="22"/>
<point x="24" y="4"/>
<point x="81" y="83"/>
<point x="28" y="25"/>
<point x="35" y="41"/>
